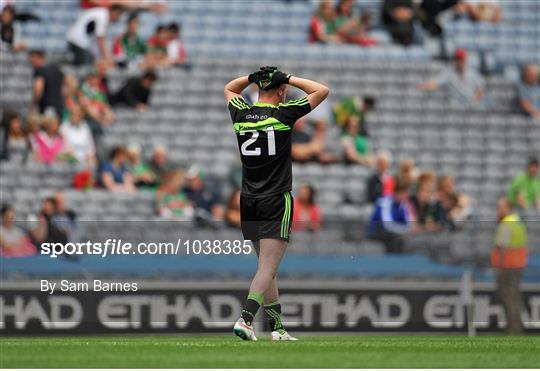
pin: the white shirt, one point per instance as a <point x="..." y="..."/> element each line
<point x="462" y="87"/>
<point x="78" y="139"/>
<point x="91" y="24"/>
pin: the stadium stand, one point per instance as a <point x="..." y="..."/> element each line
<point x="482" y="148"/>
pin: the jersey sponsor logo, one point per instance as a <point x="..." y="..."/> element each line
<point x="256" y="117"/>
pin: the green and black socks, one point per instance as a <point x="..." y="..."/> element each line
<point x="272" y="310"/>
<point x="253" y="303"/>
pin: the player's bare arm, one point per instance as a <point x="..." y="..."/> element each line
<point x="235" y="87"/>
<point x="316" y="92"/>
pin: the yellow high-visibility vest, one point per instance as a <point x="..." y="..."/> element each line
<point x="515" y="253"/>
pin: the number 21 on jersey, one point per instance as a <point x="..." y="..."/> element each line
<point x="256" y="150"/>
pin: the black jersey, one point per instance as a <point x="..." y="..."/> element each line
<point x="264" y="139"/>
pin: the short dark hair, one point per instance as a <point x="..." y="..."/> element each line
<point x="6" y="208"/>
<point x="160" y="28"/>
<point x="9" y="8"/>
<point x="401" y="186"/>
<point x="117" y="8"/>
<point x="369" y="102"/>
<point x="134" y="16"/>
<point x="37" y="52"/>
<point x="174" y="27"/>
<point x="117" y="150"/>
<point x="51" y="200"/>
<point x="532" y="162"/>
<point x="7" y="117"/>
<point x="150" y="74"/>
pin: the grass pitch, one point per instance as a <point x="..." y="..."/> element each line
<point x="380" y="351"/>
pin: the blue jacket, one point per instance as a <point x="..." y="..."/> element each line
<point x="390" y="216"/>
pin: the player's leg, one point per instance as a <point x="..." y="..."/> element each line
<point x="273" y="216"/>
<point x="272" y="308"/>
<point x="270" y="255"/>
<point x="250" y="227"/>
<point x="272" y="294"/>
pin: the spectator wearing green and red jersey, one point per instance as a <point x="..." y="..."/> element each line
<point x="129" y="48"/>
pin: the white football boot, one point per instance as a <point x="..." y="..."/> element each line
<point x="276" y="335"/>
<point x="244" y="331"/>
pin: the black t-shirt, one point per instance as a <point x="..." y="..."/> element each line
<point x="264" y="139"/>
<point x="133" y="92"/>
<point x="52" y="93"/>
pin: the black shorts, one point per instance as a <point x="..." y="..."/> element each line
<point x="267" y="217"/>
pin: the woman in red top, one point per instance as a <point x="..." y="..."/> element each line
<point x="307" y="214"/>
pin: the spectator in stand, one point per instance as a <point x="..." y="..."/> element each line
<point x="480" y="10"/>
<point x="448" y="209"/>
<point x="9" y="31"/>
<point x="408" y="173"/>
<point x="207" y="200"/>
<point x="391" y="219"/>
<point x="232" y="215"/>
<point x="113" y="175"/>
<point x="48" y="144"/>
<point x="427" y="178"/>
<point x="93" y="99"/>
<point x="465" y="85"/>
<point x="129" y="48"/>
<point x="65" y="219"/>
<point x="78" y="138"/>
<point x="307" y="148"/>
<point x="14" y="143"/>
<point x="102" y="68"/>
<point x="353" y="106"/>
<point x="86" y="37"/>
<point x="175" y="48"/>
<point x="323" y="25"/>
<point x="307" y="213"/>
<point x="349" y="26"/>
<point x="136" y="91"/>
<point x="70" y="94"/>
<point x="45" y="231"/>
<point x="355" y="145"/>
<point x="159" y="7"/>
<point x="424" y="210"/>
<point x="172" y="202"/>
<point x="398" y="17"/>
<point x="525" y="189"/>
<point x="456" y="206"/>
<point x="47" y="84"/>
<point x="159" y="165"/>
<point x="142" y="174"/>
<point x="34" y="122"/>
<point x="529" y="91"/>
<point x="329" y="142"/>
<point x="429" y="11"/>
<point x="14" y="242"/>
<point x="381" y="183"/>
<point x="157" y="55"/>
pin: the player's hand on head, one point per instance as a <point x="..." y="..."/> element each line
<point x="277" y="78"/>
<point x="258" y="77"/>
<point x="269" y="68"/>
